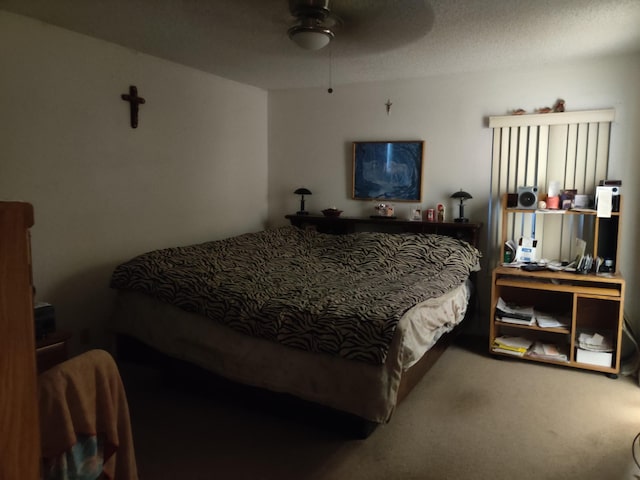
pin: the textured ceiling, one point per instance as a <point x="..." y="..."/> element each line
<point x="246" y="41"/>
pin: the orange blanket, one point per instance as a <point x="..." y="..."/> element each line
<point x="85" y="396"/>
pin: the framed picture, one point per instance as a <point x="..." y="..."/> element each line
<point x="388" y="170"/>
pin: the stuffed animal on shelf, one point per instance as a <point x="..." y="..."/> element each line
<point x="559" y="106"/>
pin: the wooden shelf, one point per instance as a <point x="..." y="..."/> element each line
<point x="594" y="302"/>
<point x="552" y="287"/>
<point x="534" y="327"/>
<point x="591" y="213"/>
<point x="563" y="276"/>
<point x="559" y="118"/>
<point x="532" y="359"/>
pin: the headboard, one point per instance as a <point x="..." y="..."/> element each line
<point x="467" y="231"/>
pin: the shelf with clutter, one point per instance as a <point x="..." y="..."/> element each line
<point x="562" y="236"/>
<point x="563" y="266"/>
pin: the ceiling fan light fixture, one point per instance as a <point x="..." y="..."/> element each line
<point x="310" y="37"/>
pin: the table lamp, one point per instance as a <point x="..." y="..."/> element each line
<point x="302" y="192"/>
<point x="462" y="195"/>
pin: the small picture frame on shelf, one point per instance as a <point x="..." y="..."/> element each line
<point x="567" y="198"/>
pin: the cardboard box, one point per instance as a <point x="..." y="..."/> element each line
<point x="602" y="359"/>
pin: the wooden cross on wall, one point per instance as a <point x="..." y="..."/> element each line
<point x="134" y="100"/>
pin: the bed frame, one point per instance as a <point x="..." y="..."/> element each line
<point x="131" y="349"/>
<point x="187" y="375"/>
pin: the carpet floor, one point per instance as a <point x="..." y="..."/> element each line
<point x="471" y="417"/>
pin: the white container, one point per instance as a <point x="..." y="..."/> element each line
<point x="526" y="254"/>
<point x="602" y="359"/>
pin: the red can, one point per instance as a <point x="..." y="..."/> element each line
<point x="431" y="215"/>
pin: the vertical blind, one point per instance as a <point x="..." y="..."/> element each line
<point x="571" y="148"/>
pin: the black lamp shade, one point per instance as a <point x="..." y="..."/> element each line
<point x="462" y="196"/>
<point x="302" y="192"/>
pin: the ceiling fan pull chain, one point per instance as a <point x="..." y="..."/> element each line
<point x="330" y="89"/>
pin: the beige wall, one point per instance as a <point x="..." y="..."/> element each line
<point x="197" y="166"/>
<point x="310" y="135"/>
<point x="195" y="169"/>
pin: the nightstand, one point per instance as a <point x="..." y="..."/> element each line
<point x="52" y="349"/>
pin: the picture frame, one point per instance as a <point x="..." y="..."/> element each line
<point x="388" y="170"/>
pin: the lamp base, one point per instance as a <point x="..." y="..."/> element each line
<point x="302" y="212"/>
<point x="461" y="220"/>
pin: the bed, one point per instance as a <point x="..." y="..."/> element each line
<point x="345" y="321"/>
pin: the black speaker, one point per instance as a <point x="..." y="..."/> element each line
<point x="528" y="197"/>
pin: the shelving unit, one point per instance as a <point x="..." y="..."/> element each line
<point x="594" y="302"/>
<point x="604" y="240"/>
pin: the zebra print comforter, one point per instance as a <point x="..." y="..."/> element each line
<point x="336" y="294"/>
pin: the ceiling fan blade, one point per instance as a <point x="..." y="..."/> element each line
<point x="379" y="25"/>
<point x="309" y="7"/>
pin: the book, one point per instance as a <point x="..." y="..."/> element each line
<point x="504" y="309"/>
<point x="551" y="210"/>
<point x="513" y="342"/>
<point x="547" y="320"/>
<point x="512" y="345"/>
<point x="509" y="352"/>
<point x="547" y="351"/>
<point x="516" y="321"/>
<point x="510" y="349"/>
<point x="509" y="252"/>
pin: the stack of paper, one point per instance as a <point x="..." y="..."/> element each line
<point x="547" y="351"/>
<point x="595" y="342"/>
<point x="517" y="346"/>
<point x="510" y="313"/>
<point x="547" y="320"/>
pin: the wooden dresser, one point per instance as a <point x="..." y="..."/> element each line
<point x="19" y="423"/>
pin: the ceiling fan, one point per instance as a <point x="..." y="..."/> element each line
<point x="372" y="25"/>
<point x="315" y="23"/>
